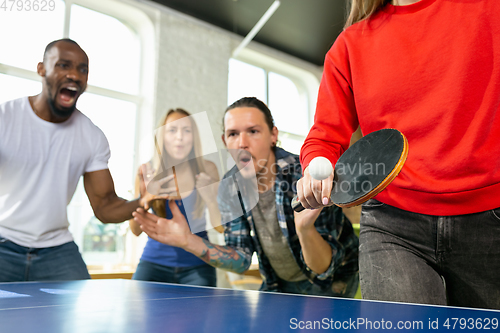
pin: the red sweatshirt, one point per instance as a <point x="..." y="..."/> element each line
<point x="432" y="71"/>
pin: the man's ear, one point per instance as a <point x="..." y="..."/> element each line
<point x="40" y="68"/>
<point x="223" y="140"/>
<point x="275" y="134"/>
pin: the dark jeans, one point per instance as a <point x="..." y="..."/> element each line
<point x="415" y="258"/>
<point x="19" y="263"/>
<point x="203" y="275"/>
<point x="341" y="287"/>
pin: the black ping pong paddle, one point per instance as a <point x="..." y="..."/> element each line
<point x="366" y="168"/>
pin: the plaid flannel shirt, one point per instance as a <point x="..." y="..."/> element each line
<point x="332" y="225"/>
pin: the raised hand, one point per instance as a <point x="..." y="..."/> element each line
<point x="206" y="187"/>
<point x="151" y="188"/>
<point x="306" y="218"/>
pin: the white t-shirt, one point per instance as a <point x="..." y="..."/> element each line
<point x="40" y="165"/>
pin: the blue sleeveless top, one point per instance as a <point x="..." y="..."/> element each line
<point x="167" y="255"/>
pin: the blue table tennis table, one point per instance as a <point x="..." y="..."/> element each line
<point x="126" y="306"/>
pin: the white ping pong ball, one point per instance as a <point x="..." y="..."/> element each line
<point x="320" y="168"/>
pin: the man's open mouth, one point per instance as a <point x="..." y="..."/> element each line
<point x="244" y="158"/>
<point x="67" y="96"/>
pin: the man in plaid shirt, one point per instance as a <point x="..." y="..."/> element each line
<point x="313" y="252"/>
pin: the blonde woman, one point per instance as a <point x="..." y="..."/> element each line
<point x="182" y="173"/>
<point x="430" y="69"/>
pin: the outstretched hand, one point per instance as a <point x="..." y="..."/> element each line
<point x="173" y="232"/>
<point x="151" y="189"/>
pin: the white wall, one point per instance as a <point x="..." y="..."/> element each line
<point x="192" y="69"/>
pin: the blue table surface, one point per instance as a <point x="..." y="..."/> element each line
<point x="135" y="306"/>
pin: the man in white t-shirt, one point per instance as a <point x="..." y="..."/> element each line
<point x="46" y="144"/>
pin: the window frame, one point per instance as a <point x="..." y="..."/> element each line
<point x="306" y="82"/>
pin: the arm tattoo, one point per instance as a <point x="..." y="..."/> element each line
<point x="224" y="257"/>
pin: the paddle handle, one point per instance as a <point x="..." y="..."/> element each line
<point x="296" y="205"/>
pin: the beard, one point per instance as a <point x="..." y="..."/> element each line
<point x="60" y="112"/>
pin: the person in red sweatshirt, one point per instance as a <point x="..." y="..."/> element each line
<point x="431" y="69"/>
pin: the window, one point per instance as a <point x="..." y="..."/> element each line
<point x="289" y="92"/>
<point x="246" y="80"/>
<point x="114" y="51"/>
<point x="116" y="38"/>
<point x="24" y="33"/>
<point x="14" y="87"/>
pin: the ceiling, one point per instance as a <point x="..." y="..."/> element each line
<point x="305" y="29"/>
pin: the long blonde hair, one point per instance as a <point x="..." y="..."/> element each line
<point x="195" y="159"/>
<point x="362" y="9"/>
